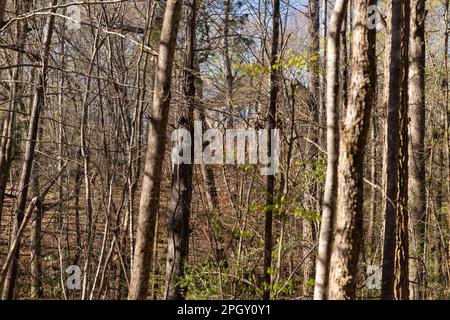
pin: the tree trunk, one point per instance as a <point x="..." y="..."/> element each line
<point x="271" y="124"/>
<point x="447" y="127"/>
<point x="373" y="79"/>
<point x="392" y="145"/>
<point x="329" y="200"/>
<point x="178" y="227"/>
<point x="38" y="100"/>
<point x="227" y="6"/>
<point x="401" y="283"/>
<point x="309" y="228"/>
<point x="150" y="193"/>
<point x="2" y="11"/>
<point x="349" y="225"/>
<point x="35" y="239"/>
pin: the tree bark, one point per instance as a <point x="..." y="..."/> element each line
<point x="401" y="283"/>
<point x="392" y="150"/>
<point x="329" y="200"/>
<point x="229" y="81"/>
<point x="151" y="185"/>
<point x="2" y="11"/>
<point x="35" y="239"/>
<point x="271" y="124"/>
<point x="349" y="225"/>
<point x="178" y="227"/>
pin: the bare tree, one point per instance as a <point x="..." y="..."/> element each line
<point x="156" y="144"/>
<point x="392" y="150"/>
<point x="178" y="227"/>
<point x="348" y="236"/>
<point x="329" y="201"/>
<point x="271" y="124"/>
<point x="401" y="283"/>
<point x="38" y="101"/>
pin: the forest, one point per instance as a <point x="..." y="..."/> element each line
<point x="224" y="150"/>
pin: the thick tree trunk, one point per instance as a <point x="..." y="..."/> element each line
<point x="349" y="225"/>
<point x="329" y="200"/>
<point x="150" y="193"/>
<point x="178" y="227"/>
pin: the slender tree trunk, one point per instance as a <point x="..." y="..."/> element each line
<point x="392" y="129"/>
<point x="309" y="227"/>
<point x="447" y="125"/>
<point x="35" y="239"/>
<point x="38" y="100"/>
<point x="374" y="80"/>
<point x="329" y="200"/>
<point x="178" y="227"/>
<point x="349" y="223"/>
<point x="86" y="160"/>
<point x="151" y="185"/>
<point x="227" y="6"/>
<point x="401" y="283"/>
<point x="15" y="242"/>
<point x="271" y="124"/>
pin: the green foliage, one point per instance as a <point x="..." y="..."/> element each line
<point x="309" y="215"/>
<point x="199" y="283"/>
<point x="253" y="70"/>
<point x="291" y="63"/>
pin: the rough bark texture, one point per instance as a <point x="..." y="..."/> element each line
<point x="369" y="236"/>
<point x="392" y="144"/>
<point x="329" y="200"/>
<point x="2" y="11"/>
<point x="178" y="227"/>
<point x="348" y="236"/>
<point x="156" y="145"/>
<point x="272" y="123"/>
<point x="401" y="283"/>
